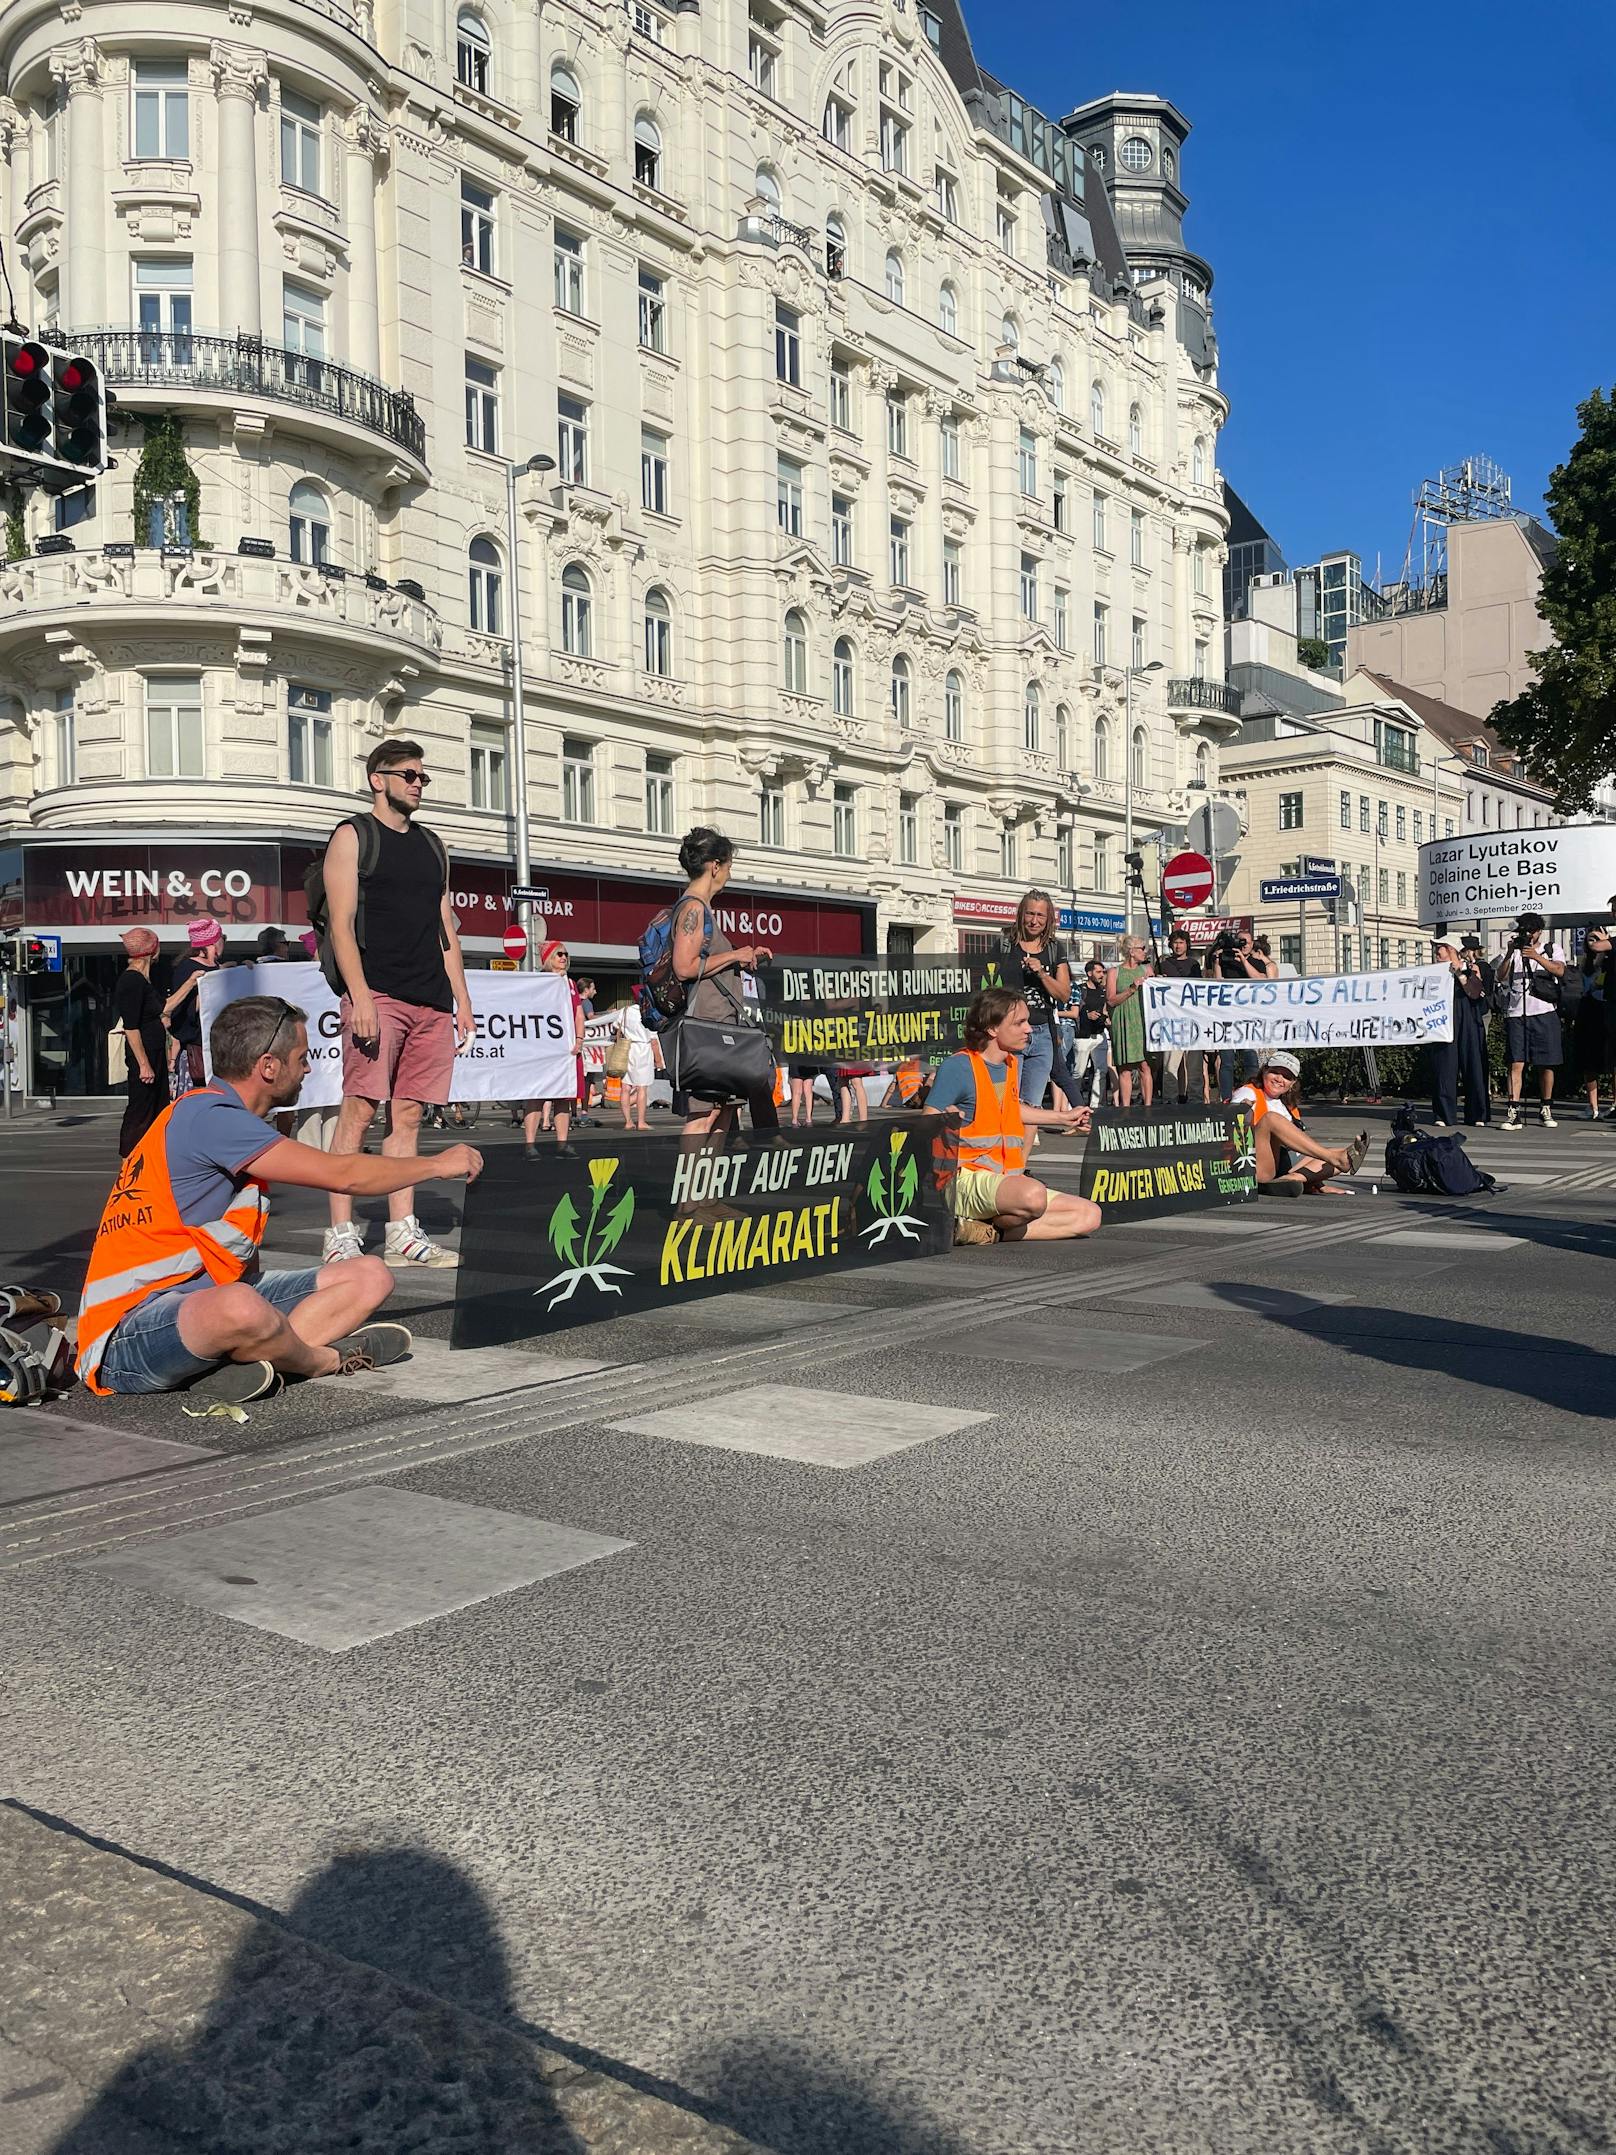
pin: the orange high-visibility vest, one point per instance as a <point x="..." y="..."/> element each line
<point x="909" y="1077"/>
<point x="143" y="1247"/>
<point x="994" y="1136"/>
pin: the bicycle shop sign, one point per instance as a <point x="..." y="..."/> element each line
<point x="118" y="886"/>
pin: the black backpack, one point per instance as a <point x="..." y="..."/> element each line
<point x="1425" y="1164"/>
<point x="370" y="848"/>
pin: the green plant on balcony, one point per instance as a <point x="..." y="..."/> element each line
<point x="165" y="470"/>
<point x="1314" y="653"/>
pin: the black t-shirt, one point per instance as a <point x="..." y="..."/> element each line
<point x="139" y="1009"/>
<point x="1052" y="954"/>
<point x="1180" y="969"/>
<point x="1091" y="1012"/>
<point x="186" y="1023"/>
<point x="403" y="899"/>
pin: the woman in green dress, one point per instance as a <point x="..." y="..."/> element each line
<point x="1128" y="1057"/>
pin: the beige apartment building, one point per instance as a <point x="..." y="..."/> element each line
<point x="1469" y="646"/>
<point x="868" y="465"/>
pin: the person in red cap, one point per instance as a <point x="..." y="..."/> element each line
<point x="139" y="1011"/>
<point x="555" y="957"/>
<point x="182" y="1013"/>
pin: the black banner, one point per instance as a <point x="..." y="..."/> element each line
<point x="1142" y="1164"/>
<point x="656" y="1222"/>
<point x="870" y="1010"/>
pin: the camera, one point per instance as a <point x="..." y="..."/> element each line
<point x="1227" y="944"/>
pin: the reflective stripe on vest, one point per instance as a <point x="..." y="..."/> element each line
<point x="142" y="1246"/>
<point x="995" y="1135"/>
<point x="910" y="1078"/>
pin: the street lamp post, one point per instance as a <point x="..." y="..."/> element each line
<point x="1130" y="675"/>
<point x="518" y="721"/>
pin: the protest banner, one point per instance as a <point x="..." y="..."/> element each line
<point x="1566" y="871"/>
<point x="599" y="1033"/>
<point x="1139" y="1165"/>
<point x="522" y="1049"/>
<point x="869" y="1010"/>
<point x="1330" y="1010"/>
<point x="659" y="1223"/>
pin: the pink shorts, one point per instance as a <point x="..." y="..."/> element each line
<point x="413" y="1060"/>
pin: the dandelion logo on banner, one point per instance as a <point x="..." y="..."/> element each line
<point x="892" y="1186"/>
<point x="582" y="1250"/>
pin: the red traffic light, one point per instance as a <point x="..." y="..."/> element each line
<point x="76" y="374"/>
<point x="29" y="359"/>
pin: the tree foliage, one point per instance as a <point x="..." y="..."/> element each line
<point x="1564" y="725"/>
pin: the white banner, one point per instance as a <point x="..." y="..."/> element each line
<point x="522" y="1050"/>
<point x="1566" y="872"/>
<point x="599" y="1033"/>
<point x="1330" y="1010"/>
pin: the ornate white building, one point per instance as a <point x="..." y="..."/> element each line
<point x="875" y="460"/>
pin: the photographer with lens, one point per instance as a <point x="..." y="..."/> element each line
<point x="1528" y="993"/>
<point x="1236" y="957"/>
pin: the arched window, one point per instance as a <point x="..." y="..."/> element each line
<point x="308" y="523"/>
<point x="796" y="652"/>
<point x="487" y="588"/>
<point x="658" y="632"/>
<point x="902" y="692"/>
<point x="1097" y="408"/>
<point x="895" y="277"/>
<point x="1010" y="332"/>
<point x="1136" y="431"/>
<point x="954" y="708"/>
<point x="1063" y="737"/>
<point x="1031" y="716"/>
<point x="768" y="187"/>
<point x="474" y="51"/>
<point x="835" y="246"/>
<point x="577" y="625"/>
<point x="1055" y="383"/>
<point x="1198" y="462"/>
<point x="648" y="154"/>
<point x="566" y="103"/>
<point x="1141" y="757"/>
<point x="1203" y="767"/>
<point x="1102" y="748"/>
<point x="948" y="309"/>
<point x="841" y="677"/>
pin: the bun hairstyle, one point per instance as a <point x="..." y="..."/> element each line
<point x="704" y="848"/>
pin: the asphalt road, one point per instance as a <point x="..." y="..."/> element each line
<point x="1150" y="1696"/>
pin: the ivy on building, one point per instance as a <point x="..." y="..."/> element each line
<point x="16" y="528"/>
<point x="164" y="470"/>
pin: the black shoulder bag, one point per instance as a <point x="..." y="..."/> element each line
<point x="728" y="1059"/>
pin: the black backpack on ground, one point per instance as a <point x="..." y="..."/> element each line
<point x="370" y="848"/>
<point x="1426" y="1164"/>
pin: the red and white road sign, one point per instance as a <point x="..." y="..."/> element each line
<point x="515" y="941"/>
<point x="1188" y="880"/>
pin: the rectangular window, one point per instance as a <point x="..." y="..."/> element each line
<point x="1346" y="811"/>
<point x="841" y="396"/>
<point x="908" y="830"/>
<point x="1065" y="858"/>
<point x="1402" y="821"/>
<point x="163" y="310"/>
<point x="1102" y="861"/>
<point x="1385" y="952"/>
<point x="1136" y="537"/>
<point x="300" y="142"/>
<point x="841" y="530"/>
<point x="950" y="434"/>
<point x="653" y="312"/>
<point x="659" y="796"/>
<point x="59" y="743"/>
<point x="1419" y="828"/>
<point x="1062" y="623"/>
<point x="488" y="768"/>
<point x="844" y="823"/>
<point x="1101" y="635"/>
<point x="761" y="65"/>
<point x="572" y="441"/>
<point x="1009" y="862"/>
<point x="1097" y="522"/>
<point x="771" y="814"/>
<point x="945" y="194"/>
<point x="954" y="836"/>
<point x="1402" y="951"/>
<point x="1004" y="224"/>
<point x="1382" y="820"/>
<point x="1027" y="463"/>
<point x="1363" y="811"/>
<point x="308" y="736"/>
<point x="69" y="511"/>
<point x="894" y="144"/>
<point x="577" y="781"/>
<point x="1383" y="887"/>
<point x="302" y="322"/>
<point x="1290" y="811"/>
<point x="1447" y="826"/>
<point x="787" y="345"/>
<point x="1063" y="507"/>
<point x="1198" y="562"/>
<point x="476" y="227"/>
<point x="1402" y="894"/>
<point x="569" y="271"/>
<point x="653" y="471"/>
<point x="482" y="406"/>
<point x="788" y="496"/>
<point x="953" y="572"/>
<point x="897" y="423"/>
<point x="837" y="124"/>
<point x="899" y="550"/>
<point x="1027" y="587"/>
<point x="1290" y="951"/>
<point x="1137" y="642"/>
<point x="174" y="726"/>
<point x="162" y="118"/>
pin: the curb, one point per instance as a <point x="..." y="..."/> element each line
<point x="149" y="2012"/>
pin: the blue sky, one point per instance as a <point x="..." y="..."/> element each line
<point x="1408" y="214"/>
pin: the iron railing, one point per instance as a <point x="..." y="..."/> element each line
<point x="248" y="366"/>
<point x="1197" y="695"/>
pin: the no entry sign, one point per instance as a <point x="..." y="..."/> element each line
<point x="515" y="941"/>
<point x="1187" y="880"/>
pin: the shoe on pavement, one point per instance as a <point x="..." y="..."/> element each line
<point x="1512" y="1121"/>
<point x="373" y="1346"/>
<point x="341" y="1243"/>
<point x="1356" y="1151"/>
<point x="974" y="1231"/>
<point x="1545" y="1116"/>
<point x="409" y="1247"/>
<point x="236" y="1383"/>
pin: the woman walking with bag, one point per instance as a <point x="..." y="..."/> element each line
<point x="712" y="1057"/>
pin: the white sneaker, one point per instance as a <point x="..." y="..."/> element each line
<point x="1545" y="1116"/>
<point x="342" y="1243"/>
<point x="407" y="1245"/>
<point x="1512" y="1121"/>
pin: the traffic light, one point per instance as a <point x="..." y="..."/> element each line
<point x="29" y="389"/>
<point x="53" y="409"/>
<point x="23" y="955"/>
<point x="81" y="413"/>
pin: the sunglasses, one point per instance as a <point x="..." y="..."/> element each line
<point x="286" y="1011"/>
<point x="410" y="777"/>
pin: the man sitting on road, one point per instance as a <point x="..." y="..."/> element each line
<point x="1290" y="1163"/>
<point x="995" y="1199"/>
<point x="174" y="1296"/>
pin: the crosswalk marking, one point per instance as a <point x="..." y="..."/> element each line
<point x="53" y="1454"/>
<point x="819" y="1429"/>
<point x="1478" y="1241"/>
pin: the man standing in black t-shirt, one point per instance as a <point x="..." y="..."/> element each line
<point x="1183" y="1074"/>
<point x="406" y="1012"/>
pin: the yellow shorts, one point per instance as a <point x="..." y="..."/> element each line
<point x="976" y="1193"/>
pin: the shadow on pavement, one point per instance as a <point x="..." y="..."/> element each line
<point x="793" y="2104"/>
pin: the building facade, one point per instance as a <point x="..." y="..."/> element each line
<point x="869" y="463"/>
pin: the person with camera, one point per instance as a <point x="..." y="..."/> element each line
<point x="1236" y="957"/>
<point x="1528" y="993"/>
<point x="1183" y="1072"/>
<point x="1463" y="1059"/>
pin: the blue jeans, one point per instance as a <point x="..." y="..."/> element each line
<point x="1036" y="1065"/>
<point x="146" y="1352"/>
<point x="1235" y="1066"/>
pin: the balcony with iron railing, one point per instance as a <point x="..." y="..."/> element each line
<point x="1198" y="694"/>
<point x="241" y="366"/>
